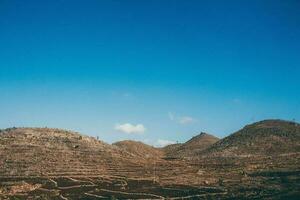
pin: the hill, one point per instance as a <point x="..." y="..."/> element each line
<point x="171" y="148"/>
<point x="57" y="164"/>
<point x="192" y="147"/>
<point x="55" y="152"/>
<point x="268" y="137"/>
<point x="139" y="149"/>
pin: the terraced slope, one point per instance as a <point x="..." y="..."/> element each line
<point x="269" y="137"/>
<point x="192" y="147"/>
<point x="139" y="149"/>
<point x="169" y="150"/>
<point x="54" y="152"/>
<point x="57" y="164"/>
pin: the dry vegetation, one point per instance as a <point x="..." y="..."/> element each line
<point x="259" y="162"/>
<point x="139" y="149"/>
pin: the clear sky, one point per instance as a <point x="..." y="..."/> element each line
<point x="148" y="70"/>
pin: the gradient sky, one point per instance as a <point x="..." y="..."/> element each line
<point x="175" y="67"/>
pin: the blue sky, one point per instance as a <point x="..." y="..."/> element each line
<point x="148" y="70"/>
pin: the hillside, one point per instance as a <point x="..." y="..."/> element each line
<point x="139" y="149"/>
<point x="59" y="164"/>
<point x="192" y="147"/>
<point x="171" y="148"/>
<point x="44" y="151"/>
<point x="268" y="137"/>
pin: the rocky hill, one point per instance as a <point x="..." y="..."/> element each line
<point x="45" y="151"/>
<point x="139" y="149"/>
<point x="268" y="137"/>
<point x="261" y="161"/>
<point x="171" y="148"/>
<point x="192" y="147"/>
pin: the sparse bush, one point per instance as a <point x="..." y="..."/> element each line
<point x="112" y="198"/>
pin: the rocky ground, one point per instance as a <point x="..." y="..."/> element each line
<point x="58" y="164"/>
<point x="210" y="178"/>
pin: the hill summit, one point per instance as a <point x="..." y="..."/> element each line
<point x="139" y="149"/>
<point x="193" y="146"/>
<point x="266" y="137"/>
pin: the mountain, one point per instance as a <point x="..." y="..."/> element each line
<point x="268" y="137"/>
<point x="139" y="149"/>
<point x="45" y="151"/>
<point x="192" y="147"/>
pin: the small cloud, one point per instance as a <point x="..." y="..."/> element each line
<point x="171" y="116"/>
<point x="158" y="143"/>
<point x="122" y="94"/>
<point x="130" y="128"/>
<point x="162" y="143"/>
<point x="186" y="120"/>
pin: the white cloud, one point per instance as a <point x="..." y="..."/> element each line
<point x="162" y="143"/>
<point x="130" y="128"/>
<point x="158" y="142"/>
<point x="186" y="120"/>
<point x="183" y="120"/>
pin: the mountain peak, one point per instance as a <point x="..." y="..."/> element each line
<point x="202" y="136"/>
